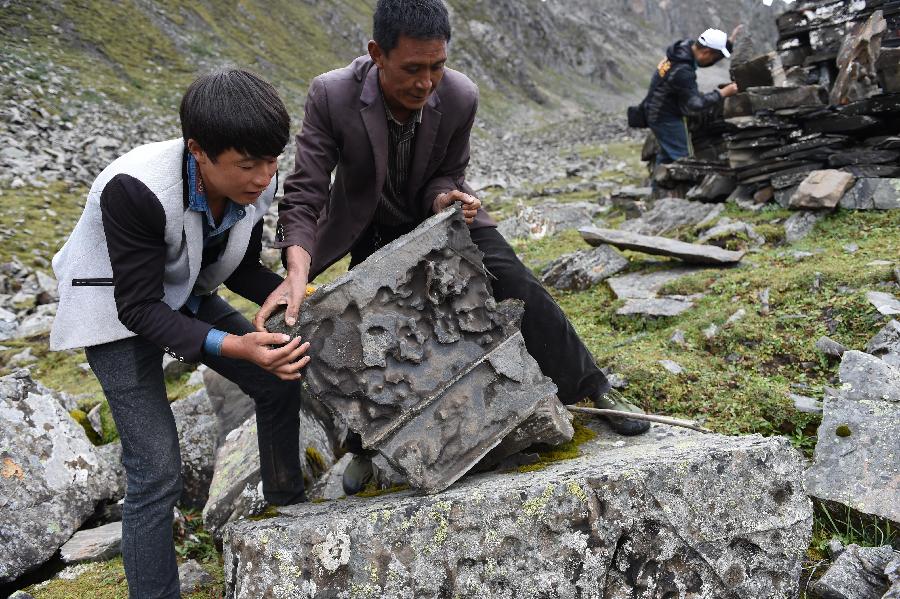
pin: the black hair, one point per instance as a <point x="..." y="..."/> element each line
<point x="418" y="19"/>
<point x="235" y="109"/>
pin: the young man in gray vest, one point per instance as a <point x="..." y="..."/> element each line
<point x="394" y="126"/>
<point x="164" y="226"/>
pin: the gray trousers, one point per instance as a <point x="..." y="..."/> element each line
<point x="130" y="372"/>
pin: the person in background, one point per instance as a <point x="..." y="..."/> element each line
<point x="673" y="92"/>
<point x="163" y="227"/>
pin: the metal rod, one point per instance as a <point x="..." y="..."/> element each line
<point x="649" y="417"/>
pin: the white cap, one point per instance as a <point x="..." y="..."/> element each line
<point x="715" y="39"/>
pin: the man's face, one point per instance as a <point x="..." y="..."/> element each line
<point x="706" y="57"/>
<point x="411" y="72"/>
<point x="233" y="175"/>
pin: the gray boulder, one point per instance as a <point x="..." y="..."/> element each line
<point x="94" y="544"/>
<point x="855" y="461"/>
<point x="830" y="347"/>
<point x="236" y="488"/>
<point x="231" y="406"/>
<point x="670" y="213"/>
<point x="412" y="349"/>
<point x="51" y="477"/>
<point x="886" y="344"/>
<point x="822" y="189"/>
<point x="583" y="269"/>
<point x="885" y="303"/>
<point x="800" y="224"/>
<point x="857" y="573"/>
<point x="547" y="218"/>
<point x="872" y="194"/>
<point x="197" y="436"/>
<point x="193" y="577"/>
<point x="668" y="511"/>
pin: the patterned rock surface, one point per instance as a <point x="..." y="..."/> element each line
<point x="51" y="477"/>
<point x="665" y="514"/>
<point x="412" y="350"/>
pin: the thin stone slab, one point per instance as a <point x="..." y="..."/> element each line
<point x="411" y="348"/>
<point x="670" y="213"/>
<point x="725" y="516"/>
<point x="661" y="246"/>
<point x="583" y="269"/>
<point x="644" y="285"/>
<point x="872" y="194"/>
<point x="659" y="306"/>
<point x="94" y="544"/>
<point x="857" y="456"/>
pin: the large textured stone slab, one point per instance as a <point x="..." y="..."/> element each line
<point x="857" y="573"/>
<point x="236" y="488"/>
<point x="583" y="269"/>
<point x="670" y="213"/>
<point x="660" y="246"/>
<point x="547" y="218"/>
<point x="857" y="456"/>
<point x="664" y="514"/>
<point x="872" y="194"/>
<point x="197" y="437"/>
<point x="51" y="477"/>
<point x="94" y="544"/>
<point x="412" y="350"/>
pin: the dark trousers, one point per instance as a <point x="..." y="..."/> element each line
<point x="548" y="334"/>
<point x="674" y="140"/>
<point x="130" y="372"/>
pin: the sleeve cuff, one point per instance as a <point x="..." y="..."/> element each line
<point x="212" y="345"/>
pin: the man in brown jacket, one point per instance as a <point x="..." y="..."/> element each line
<point x="395" y="126"/>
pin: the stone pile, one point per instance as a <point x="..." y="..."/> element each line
<point x="28" y="300"/>
<point x="413" y="351"/>
<point x="827" y="99"/>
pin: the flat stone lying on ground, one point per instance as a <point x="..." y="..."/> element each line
<point x="643" y="285"/>
<point x="670" y="213"/>
<point x="51" y="476"/>
<point x="661" y="246"/>
<point x="657" y="306"/>
<point x="94" y="544"/>
<point x="856" y="457"/>
<point x="857" y="573"/>
<point x="547" y="218"/>
<point x="885" y="303"/>
<point x="583" y="269"/>
<point x="800" y="224"/>
<point x="412" y="349"/>
<point x="669" y="510"/>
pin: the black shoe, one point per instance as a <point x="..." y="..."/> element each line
<point x="358" y="473"/>
<point x="613" y="400"/>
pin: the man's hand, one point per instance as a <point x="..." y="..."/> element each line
<point x="735" y="32"/>
<point x="470" y="204"/>
<point x="290" y="293"/>
<point x="729" y="90"/>
<point x="284" y="362"/>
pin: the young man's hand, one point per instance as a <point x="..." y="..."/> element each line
<point x="470" y="204"/>
<point x="290" y="293"/>
<point x="284" y="362"/>
<point x="729" y="90"/>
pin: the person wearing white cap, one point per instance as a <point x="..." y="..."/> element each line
<point x="673" y="92"/>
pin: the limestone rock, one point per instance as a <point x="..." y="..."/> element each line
<point x="688" y="252"/>
<point x="51" y="477"/>
<point x="855" y="460"/>
<point x="197" y="437"/>
<point x="830" y="347"/>
<point x="236" y="488"/>
<point x="550" y="424"/>
<point x="805" y="404"/>
<point x="193" y="577"/>
<point x="822" y="189"/>
<point x="669" y="511"/>
<point x="658" y="306"/>
<point x="726" y="230"/>
<point x="231" y="406"/>
<point x="892" y="571"/>
<point x="547" y="218"/>
<point x="94" y="544"/>
<point x="886" y="344"/>
<point x="856" y="61"/>
<point x="885" y="303"/>
<point x="857" y="573"/>
<point x="411" y="348"/>
<point x="643" y="285"/>
<point x="330" y="486"/>
<point x="872" y="194"/>
<point x="584" y="269"/>
<point x="800" y="224"/>
<point x="670" y="213"/>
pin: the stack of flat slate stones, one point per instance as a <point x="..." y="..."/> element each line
<point x="827" y="99"/>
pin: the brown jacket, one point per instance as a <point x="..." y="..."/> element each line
<point x="345" y="126"/>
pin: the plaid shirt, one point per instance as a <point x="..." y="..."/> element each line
<point x="393" y="208"/>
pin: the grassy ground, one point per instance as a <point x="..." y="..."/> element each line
<point x="737" y="382"/>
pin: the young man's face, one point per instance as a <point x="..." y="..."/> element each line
<point x="233" y="175"/>
<point x="706" y="57"/>
<point x="411" y="72"/>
